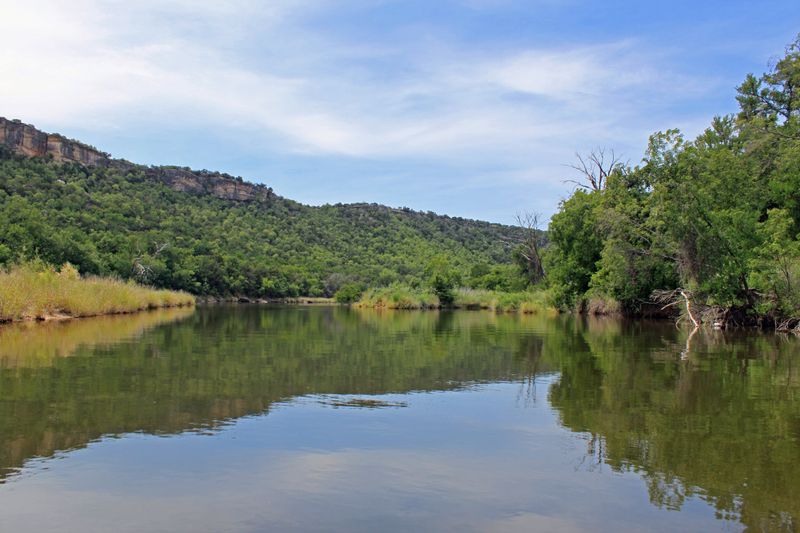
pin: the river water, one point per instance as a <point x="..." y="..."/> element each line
<point x="255" y="418"/>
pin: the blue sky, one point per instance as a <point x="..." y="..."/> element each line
<point x="466" y="107"/>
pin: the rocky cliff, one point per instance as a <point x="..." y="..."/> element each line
<point x="24" y="139"/>
<point x="216" y="184"/>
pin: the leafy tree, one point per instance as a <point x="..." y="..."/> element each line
<point x="575" y="247"/>
<point x="775" y="266"/>
<point x="443" y="278"/>
<point x="718" y="215"/>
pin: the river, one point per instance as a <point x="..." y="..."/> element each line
<point x="250" y="418"/>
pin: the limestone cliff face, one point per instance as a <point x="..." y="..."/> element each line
<point x="214" y="183"/>
<point x="26" y="140"/>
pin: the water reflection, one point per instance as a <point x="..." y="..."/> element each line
<point x="720" y="425"/>
<point x="32" y="344"/>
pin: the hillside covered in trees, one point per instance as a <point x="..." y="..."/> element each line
<point x="713" y="222"/>
<point x="715" y="219"/>
<point x="212" y="234"/>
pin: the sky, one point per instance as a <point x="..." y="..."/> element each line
<point x="471" y="108"/>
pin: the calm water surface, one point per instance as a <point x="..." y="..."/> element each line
<point x="249" y="418"/>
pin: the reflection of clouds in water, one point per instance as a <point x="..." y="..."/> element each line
<point x="256" y="476"/>
<point x="484" y="456"/>
<point x="534" y="522"/>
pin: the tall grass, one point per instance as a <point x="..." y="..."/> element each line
<point x="502" y="302"/>
<point x="398" y="297"/>
<point x="402" y="297"/>
<point x="35" y="291"/>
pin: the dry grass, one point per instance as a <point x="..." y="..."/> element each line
<point x="599" y="305"/>
<point x="502" y="302"/>
<point x="398" y="297"/>
<point x="34" y="291"/>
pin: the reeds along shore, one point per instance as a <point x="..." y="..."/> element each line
<point x="401" y="297"/>
<point x="34" y="291"/>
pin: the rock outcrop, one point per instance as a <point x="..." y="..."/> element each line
<point x="24" y="139"/>
<point x="216" y="184"/>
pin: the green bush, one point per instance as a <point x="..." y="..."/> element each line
<point x="349" y="293"/>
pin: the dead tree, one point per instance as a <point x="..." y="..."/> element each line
<point x="141" y="270"/>
<point x="675" y="297"/>
<point x="530" y="245"/>
<point x="595" y="168"/>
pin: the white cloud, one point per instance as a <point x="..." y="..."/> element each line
<point x="563" y="74"/>
<point x="261" y="68"/>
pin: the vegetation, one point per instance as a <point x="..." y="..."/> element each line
<point x="711" y="222"/>
<point x="399" y="297"/>
<point x="349" y="293"/>
<point x="404" y="297"/>
<point x="527" y="302"/>
<point x="35" y="291"/>
<point x="715" y="219"/>
<point x="122" y="221"/>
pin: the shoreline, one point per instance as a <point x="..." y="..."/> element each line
<point x="38" y="292"/>
<point x="317" y="301"/>
<point x="299" y="300"/>
<point x="62" y="317"/>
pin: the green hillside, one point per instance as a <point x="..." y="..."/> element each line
<point x="132" y="221"/>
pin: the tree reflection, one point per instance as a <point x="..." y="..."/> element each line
<point x="721" y="423"/>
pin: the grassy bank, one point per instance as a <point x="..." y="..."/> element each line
<point x="501" y="302"/>
<point x="398" y="297"/>
<point x="402" y="297"/>
<point x="34" y="291"/>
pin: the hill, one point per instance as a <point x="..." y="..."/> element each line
<point x="211" y="233"/>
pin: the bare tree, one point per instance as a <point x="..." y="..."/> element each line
<point x="530" y="245"/>
<point x="675" y="297"/>
<point x="595" y="168"/>
<point x="141" y="270"/>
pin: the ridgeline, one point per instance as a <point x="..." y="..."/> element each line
<point x="210" y="233"/>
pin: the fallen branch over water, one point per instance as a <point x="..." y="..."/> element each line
<point x="674" y="297"/>
<point x="720" y="317"/>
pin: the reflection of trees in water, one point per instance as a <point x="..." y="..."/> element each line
<point x="32" y="344"/>
<point x="528" y="358"/>
<point x="721" y="424"/>
<point x="226" y="362"/>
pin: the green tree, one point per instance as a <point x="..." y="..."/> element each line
<point x="575" y="247"/>
<point x="443" y="278"/>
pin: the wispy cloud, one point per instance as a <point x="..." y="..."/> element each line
<point x="275" y="70"/>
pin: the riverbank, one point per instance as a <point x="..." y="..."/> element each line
<point x="39" y="292"/>
<point x="299" y="300"/>
<point x="401" y="297"/>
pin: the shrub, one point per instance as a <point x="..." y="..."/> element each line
<point x="349" y="293"/>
